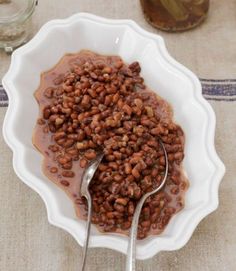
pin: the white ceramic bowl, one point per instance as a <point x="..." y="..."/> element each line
<point x="162" y="73"/>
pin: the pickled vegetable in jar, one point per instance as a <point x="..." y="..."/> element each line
<point x="175" y="15"/>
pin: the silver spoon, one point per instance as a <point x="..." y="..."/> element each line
<point x="84" y="192"/>
<point x="131" y="255"/>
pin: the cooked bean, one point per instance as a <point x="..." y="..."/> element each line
<point x="117" y="155"/>
<point x="119" y="208"/>
<point x="114" y="165"/>
<point x="81" y="145"/>
<point x="137" y="193"/>
<point x="46" y="113"/>
<point x="155" y="216"/>
<point x="107" y="69"/>
<point x="146" y="213"/>
<point x="90" y="154"/>
<point x="146" y="223"/>
<point x="149" y="111"/>
<point x="169" y="210"/>
<point x="67" y="165"/>
<point x="62" y="160"/>
<point x="49" y="92"/>
<point x="109" y="228"/>
<point x="53" y="148"/>
<point x="59" y="135"/>
<point x="128" y="168"/>
<point x="68" y="143"/>
<point x="135" y="172"/>
<point x="142" y="235"/>
<point x="115" y="188"/>
<point x="68" y="174"/>
<point x="126" y="225"/>
<point x="64" y="183"/>
<point x="72" y="152"/>
<point x="86" y="100"/>
<point x="162" y="161"/>
<point x="175" y="179"/>
<point x="122" y="201"/>
<point x="127" y="109"/>
<point x="115" y="98"/>
<point x="116" y="178"/>
<point x="131" y="208"/>
<point x="83" y="163"/>
<point x="41" y="121"/>
<point x="174" y="190"/>
<point x="107" y="206"/>
<point x="178" y="156"/>
<point x="110" y="215"/>
<point x="134" y="160"/>
<point x="110" y="157"/>
<point x="154" y="172"/>
<point x="53" y="169"/>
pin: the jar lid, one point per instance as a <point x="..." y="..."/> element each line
<point x="15" y="10"/>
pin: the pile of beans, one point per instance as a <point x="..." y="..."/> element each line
<point x="102" y="104"/>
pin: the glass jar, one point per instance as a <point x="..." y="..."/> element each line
<point x="175" y="15"/>
<point x="15" y="22"/>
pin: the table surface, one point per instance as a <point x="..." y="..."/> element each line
<point x="28" y="242"/>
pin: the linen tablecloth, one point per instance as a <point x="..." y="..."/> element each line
<point x="29" y="243"/>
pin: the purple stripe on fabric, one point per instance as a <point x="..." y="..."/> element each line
<point x="3" y="97"/>
<point x="4" y="104"/>
<point x="217" y="80"/>
<point x="220" y="99"/>
<point x="219" y="89"/>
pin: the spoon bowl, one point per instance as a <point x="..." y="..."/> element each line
<point x="88" y="175"/>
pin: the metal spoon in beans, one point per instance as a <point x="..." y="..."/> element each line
<point x="131" y="254"/>
<point x="84" y="191"/>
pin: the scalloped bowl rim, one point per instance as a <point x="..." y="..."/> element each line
<point x="57" y="219"/>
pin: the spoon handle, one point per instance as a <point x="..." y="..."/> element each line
<point x="131" y="254"/>
<point x="88" y="226"/>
